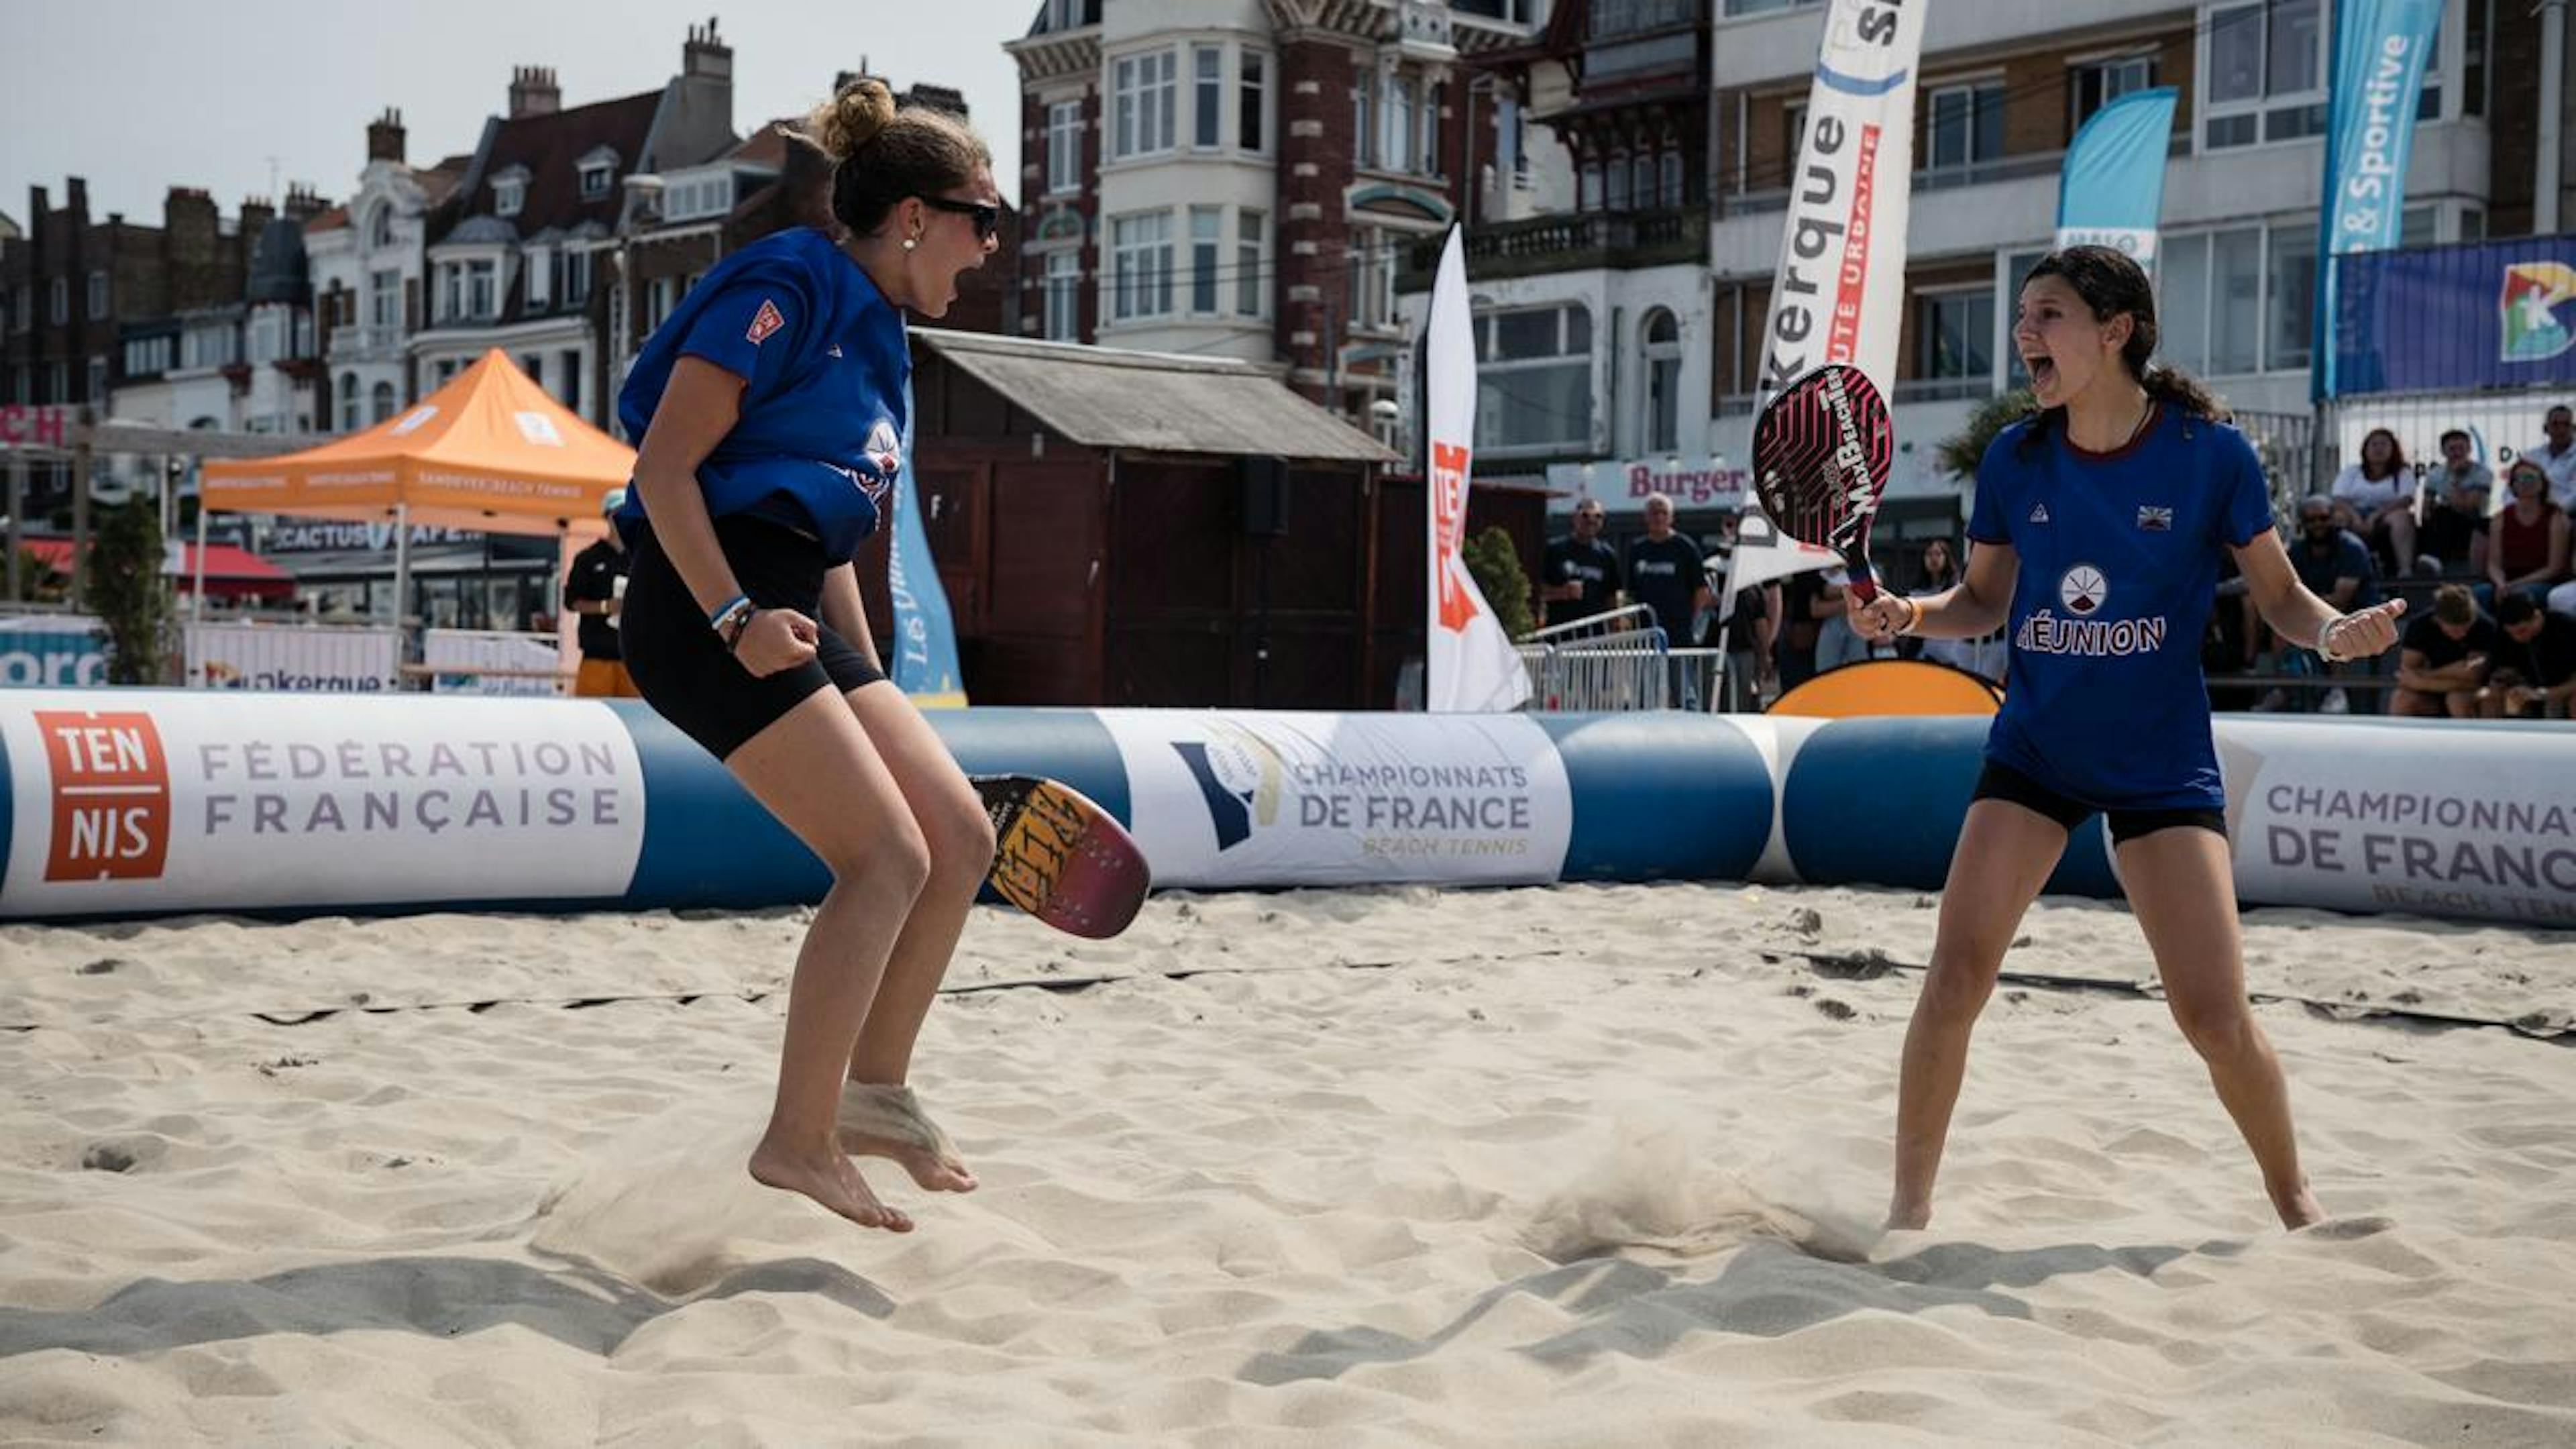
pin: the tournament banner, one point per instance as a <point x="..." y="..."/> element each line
<point x="1469" y="663"/>
<point x="2380" y="50"/>
<point x="2111" y="190"/>
<point x="2346" y="815"/>
<point x="294" y="657"/>
<point x="2496" y="315"/>
<point x="1839" y="292"/>
<point x="155" y="800"/>
<point x="924" y="652"/>
<point x="53" y="649"/>
<point x="1274" y="798"/>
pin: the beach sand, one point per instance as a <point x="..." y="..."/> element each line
<point x="1568" y="1166"/>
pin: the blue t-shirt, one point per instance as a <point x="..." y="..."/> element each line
<point x="826" y="372"/>
<point x="2119" y="554"/>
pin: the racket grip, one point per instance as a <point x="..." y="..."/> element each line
<point x="1862" y="590"/>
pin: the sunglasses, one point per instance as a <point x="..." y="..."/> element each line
<point x="987" y="216"/>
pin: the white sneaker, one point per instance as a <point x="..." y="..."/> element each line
<point x="2335" y="702"/>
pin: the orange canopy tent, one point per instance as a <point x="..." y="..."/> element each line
<point x="491" y="451"/>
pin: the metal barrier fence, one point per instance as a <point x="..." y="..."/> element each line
<point x="491" y="661"/>
<point x="1590" y="679"/>
<point x="325" y="658"/>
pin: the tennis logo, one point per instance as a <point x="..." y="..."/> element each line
<point x="111" y="795"/>
<point x="2529" y="320"/>
<point x="1238" y="774"/>
<point x="2082" y="589"/>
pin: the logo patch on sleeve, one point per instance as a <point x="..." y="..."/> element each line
<point x="764" y="322"/>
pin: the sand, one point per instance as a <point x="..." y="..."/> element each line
<point x="1577" y="1166"/>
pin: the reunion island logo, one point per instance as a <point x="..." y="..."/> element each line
<point x="2082" y="589"/>
<point x="1239" y="776"/>
<point x="2529" y="308"/>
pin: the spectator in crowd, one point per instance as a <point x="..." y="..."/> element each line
<point x="1581" y="572"/>
<point x="1940" y="571"/>
<point x="1665" y="573"/>
<point x="1747" y="633"/>
<point x="2535" y="664"/>
<point x="2457" y="469"/>
<point x="2335" y="566"/>
<point x="2557" y="455"/>
<point x="595" y="589"/>
<point x="2379" y="494"/>
<point x="2527" y="548"/>
<point x="2454" y="532"/>
<point x="1837" y="643"/>
<point x="1804" y="605"/>
<point x="2443" y="658"/>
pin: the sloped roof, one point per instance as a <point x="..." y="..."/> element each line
<point x="1103" y="397"/>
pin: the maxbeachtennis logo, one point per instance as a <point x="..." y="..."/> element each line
<point x="2530" y="322"/>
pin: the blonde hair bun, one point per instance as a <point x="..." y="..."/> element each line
<point x="847" y="122"/>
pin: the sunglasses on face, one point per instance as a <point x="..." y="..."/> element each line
<point x="987" y="216"/>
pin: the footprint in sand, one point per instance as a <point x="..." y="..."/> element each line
<point x="2343" y="1229"/>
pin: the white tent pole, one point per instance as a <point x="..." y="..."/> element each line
<point x="402" y="580"/>
<point x="197" y="589"/>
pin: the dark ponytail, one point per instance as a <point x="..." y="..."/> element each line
<point x="2111" y="283"/>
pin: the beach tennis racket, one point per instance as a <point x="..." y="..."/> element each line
<point x="1821" y="451"/>
<point x="1062" y="858"/>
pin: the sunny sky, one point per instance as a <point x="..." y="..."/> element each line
<point x="244" y="97"/>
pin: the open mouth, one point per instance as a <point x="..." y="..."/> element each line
<point x="2043" y="370"/>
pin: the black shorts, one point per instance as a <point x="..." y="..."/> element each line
<point x="2003" y="782"/>
<point x="680" y="664"/>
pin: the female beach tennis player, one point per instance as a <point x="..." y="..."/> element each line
<point x="2099" y="523"/>
<point x="774" y="406"/>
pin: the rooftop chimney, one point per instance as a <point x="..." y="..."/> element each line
<point x="303" y="203"/>
<point x="255" y="214"/>
<point x="706" y="54"/>
<point x="385" y="137"/>
<point x="533" y="91"/>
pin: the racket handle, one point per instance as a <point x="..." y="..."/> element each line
<point x="1862" y="590"/>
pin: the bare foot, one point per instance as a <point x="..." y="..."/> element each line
<point x="831" y="1180"/>
<point x="930" y="1171"/>
<point x="2300" y="1210"/>
<point x="1908" y="1217"/>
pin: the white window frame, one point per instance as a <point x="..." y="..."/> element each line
<point x="2290" y="111"/>
<point x="509" y="195"/>
<point x="1975" y="93"/>
<point x="1207" y="97"/>
<point x="99" y="294"/>
<point x="1064" y="148"/>
<point x="1671" y="177"/>
<point x="1965" y="384"/>
<point x="1248" y="289"/>
<point x="385" y="297"/>
<point x="1063" y="295"/>
<point x="1395" y="107"/>
<point x="1252" y="102"/>
<point x="482" y="289"/>
<point x="1497" y="376"/>
<point x="538" y="263"/>
<point x="2135" y="72"/>
<point x="596" y="179"/>
<point x="1145" y="101"/>
<point x="98" y="382"/>
<point x="61" y="298"/>
<point x="1207" y="252"/>
<point x="1664" y="358"/>
<point x="1140" y="272"/>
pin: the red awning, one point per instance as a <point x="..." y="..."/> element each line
<point x="231" y="571"/>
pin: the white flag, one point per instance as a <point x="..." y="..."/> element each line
<point x="1470" y="665"/>
<point x="1840" y="289"/>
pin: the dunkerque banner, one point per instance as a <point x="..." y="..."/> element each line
<point x="2439" y="319"/>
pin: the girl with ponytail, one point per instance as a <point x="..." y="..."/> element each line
<point x="2101" y="521"/>
<point x="775" y="411"/>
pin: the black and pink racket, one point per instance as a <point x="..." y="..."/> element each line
<point x="1821" y="451"/>
<point x="1061" y="858"/>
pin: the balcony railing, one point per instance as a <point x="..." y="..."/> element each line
<point x="1569" y="243"/>
<point x="362" y="340"/>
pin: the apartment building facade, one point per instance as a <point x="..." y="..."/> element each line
<point x="2002" y="87"/>
<point x="1245" y="179"/>
<point x="368" y="275"/>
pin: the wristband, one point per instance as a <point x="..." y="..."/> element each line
<point x="716" y="619"/>
<point x="2326" y="651"/>
<point x="733" y="642"/>
<point x="731" y="615"/>
<point x="1913" y="616"/>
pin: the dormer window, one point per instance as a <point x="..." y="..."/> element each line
<point x="510" y="191"/>
<point x="598" y="171"/>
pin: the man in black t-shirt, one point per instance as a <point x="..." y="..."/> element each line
<point x="2443" y="659"/>
<point x="1666" y="573"/>
<point x="595" y="589"/>
<point x="2535" y="668"/>
<point x="1580" y="575"/>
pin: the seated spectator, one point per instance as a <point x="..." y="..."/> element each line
<point x="2527" y="543"/>
<point x="2535" y="663"/>
<point x="2336" y="567"/>
<point x="2457" y="470"/>
<point x="2557" y="455"/>
<point x="2443" y="658"/>
<point x="2454" y="531"/>
<point x="2379" y="495"/>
